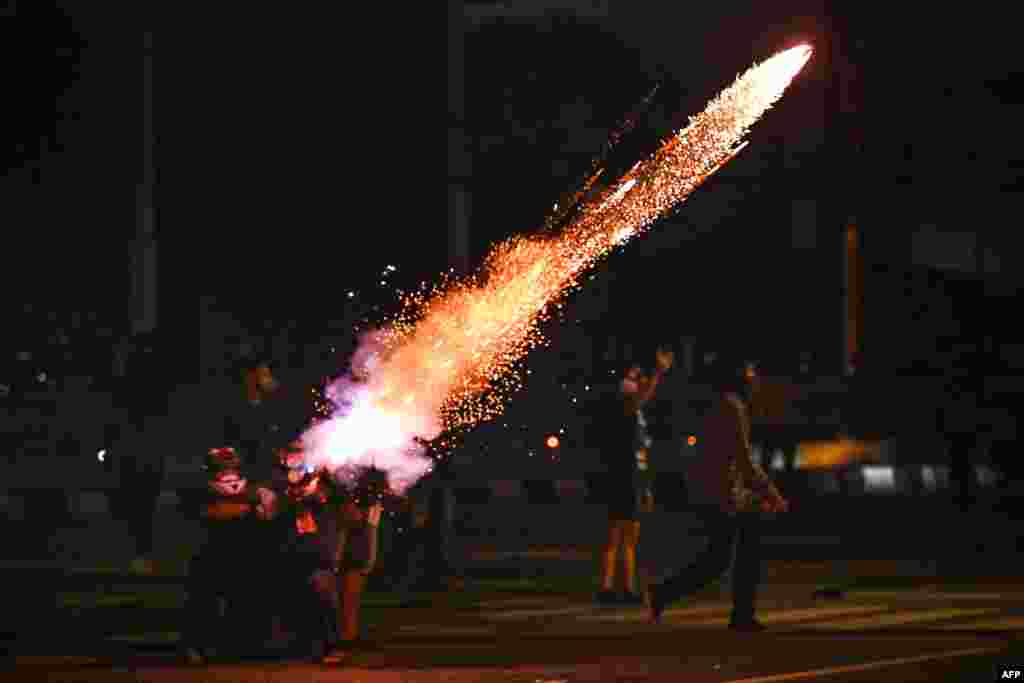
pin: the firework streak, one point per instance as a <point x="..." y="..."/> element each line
<point x="452" y="357"/>
<point x="563" y="209"/>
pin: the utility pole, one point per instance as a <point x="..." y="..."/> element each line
<point x="460" y="163"/>
<point x="144" y="249"/>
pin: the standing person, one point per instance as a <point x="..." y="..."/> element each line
<point x="627" y="486"/>
<point x="732" y="492"/>
<point x="326" y="546"/>
<point x="353" y="545"/>
<point x="141" y="478"/>
<point x="141" y="398"/>
<point x="228" y="509"/>
<point x="262" y="417"/>
<point x="427" y="548"/>
<point x="407" y="557"/>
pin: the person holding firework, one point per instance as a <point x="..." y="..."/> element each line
<point x="300" y="560"/>
<point x="357" y="502"/>
<point x="326" y="529"/>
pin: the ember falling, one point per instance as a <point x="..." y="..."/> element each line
<point x="452" y="357"/>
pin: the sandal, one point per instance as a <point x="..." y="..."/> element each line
<point x="335" y="656"/>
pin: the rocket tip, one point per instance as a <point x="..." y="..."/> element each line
<point x="799" y="55"/>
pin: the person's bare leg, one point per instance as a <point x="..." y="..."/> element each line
<point x="352" y="584"/>
<point x="609" y="556"/>
<point x="631" y="537"/>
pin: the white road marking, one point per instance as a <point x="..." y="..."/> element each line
<point x="719" y="615"/>
<point x="902" y="618"/>
<point x="928" y="595"/>
<point x="644" y="615"/>
<point x="514" y="602"/>
<point x="448" y="630"/>
<point x="527" y="613"/>
<point x="867" y="666"/>
<point x="1003" y="624"/>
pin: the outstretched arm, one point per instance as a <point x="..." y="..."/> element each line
<point x="649" y="385"/>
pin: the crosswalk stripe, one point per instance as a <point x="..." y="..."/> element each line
<point x="718" y="615"/>
<point x="1003" y="624"/>
<point x="925" y="595"/>
<point x="845" y="618"/>
<point x="435" y="629"/>
<point x="866" y="666"/>
<point x="901" y="618"/>
<point x="528" y="613"/>
<point x="513" y="602"/>
<point x="794" y="615"/>
<point x="669" y="614"/>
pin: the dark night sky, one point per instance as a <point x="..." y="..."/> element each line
<point x="68" y="197"/>
<point x="284" y="152"/>
<point x="303" y="149"/>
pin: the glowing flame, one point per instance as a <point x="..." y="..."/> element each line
<point x="836" y="453"/>
<point x="450" y="358"/>
<point x="619" y="194"/>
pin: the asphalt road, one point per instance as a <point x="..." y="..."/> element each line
<point x="914" y="635"/>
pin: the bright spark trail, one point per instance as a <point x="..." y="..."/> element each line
<point x="452" y="357"/>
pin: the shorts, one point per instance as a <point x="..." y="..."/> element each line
<point x="624" y="503"/>
<point x="356" y="549"/>
<point x="627" y="496"/>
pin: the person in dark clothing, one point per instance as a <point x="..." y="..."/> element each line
<point x="325" y="541"/>
<point x="426" y="549"/>
<point x="732" y="492"/>
<point x="627" y="485"/>
<point x="229" y="509"/>
<point x="304" y="604"/>
<point x="141" y="478"/>
<point x="141" y="408"/>
<point x="260" y="420"/>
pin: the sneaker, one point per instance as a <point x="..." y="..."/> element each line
<point x="655" y="605"/>
<point x="356" y="644"/>
<point x="746" y="626"/>
<point x="335" y="655"/>
<point x="606" y="598"/>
